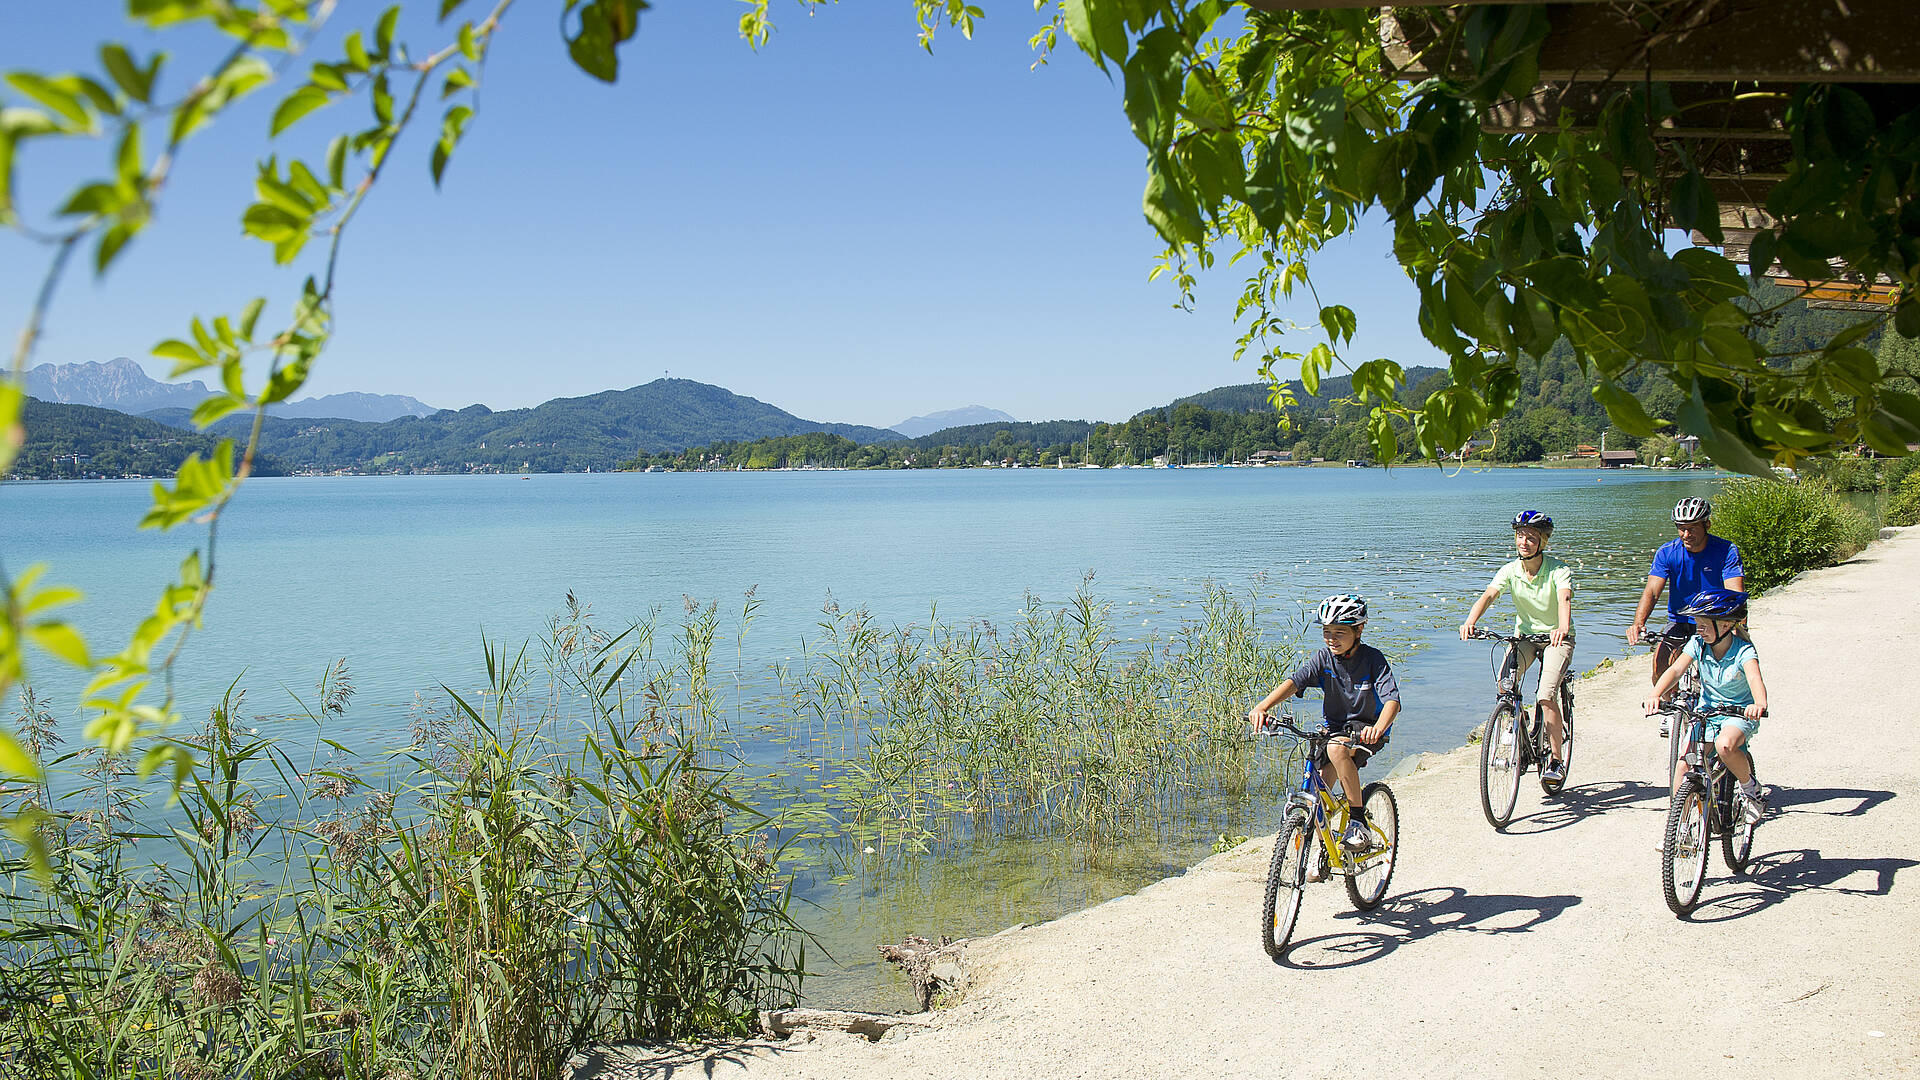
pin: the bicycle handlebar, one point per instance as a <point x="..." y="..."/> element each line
<point x="1715" y="710"/>
<point x="1537" y="639"/>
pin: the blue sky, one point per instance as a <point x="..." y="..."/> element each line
<point x="839" y="224"/>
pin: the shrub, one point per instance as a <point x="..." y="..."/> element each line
<point x="1897" y="471"/>
<point x="1903" y="505"/>
<point x="1784" y="528"/>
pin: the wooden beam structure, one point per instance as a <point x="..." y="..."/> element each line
<point x="1795" y="41"/>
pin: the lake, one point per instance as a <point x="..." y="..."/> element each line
<point x="401" y="577"/>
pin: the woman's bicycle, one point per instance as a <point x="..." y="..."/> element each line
<point x="1703" y="807"/>
<point x="1516" y="737"/>
<point x="1315" y="820"/>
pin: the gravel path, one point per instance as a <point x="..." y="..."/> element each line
<point x="1544" y="951"/>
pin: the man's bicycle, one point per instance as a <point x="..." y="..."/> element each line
<point x="1515" y="736"/>
<point x="1703" y="807"/>
<point x="1316" y="817"/>
<point x="1685" y="692"/>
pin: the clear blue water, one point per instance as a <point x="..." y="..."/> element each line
<point x="401" y="576"/>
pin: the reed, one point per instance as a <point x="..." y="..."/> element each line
<point x="1050" y="726"/>
<point x="539" y="871"/>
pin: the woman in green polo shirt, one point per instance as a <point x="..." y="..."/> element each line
<point x="1542" y="588"/>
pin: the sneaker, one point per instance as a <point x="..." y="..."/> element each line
<point x="1554" y="772"/>
<point x="1357" y="837"/>
<point x="1317" y="865"/>
<point x="1753" y="805"/>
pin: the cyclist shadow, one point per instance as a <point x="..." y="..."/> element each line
<point x="1776" y="876"/>
<point x="1410" y="917"/>
<point x="1803" y="800"/>
<point x="1576" y="804"/>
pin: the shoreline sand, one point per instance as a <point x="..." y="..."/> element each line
<point x="1544" y="949"/>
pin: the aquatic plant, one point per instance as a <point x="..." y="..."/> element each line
<point x="534" y="874"/>
<point x="1048" y="726"/>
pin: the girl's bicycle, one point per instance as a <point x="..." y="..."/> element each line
<point x="1515" y="736"/>
<point x="1315" y="819"/>
<point x="1704" y="807"/>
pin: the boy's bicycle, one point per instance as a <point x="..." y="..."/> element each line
<point x="1315" y="819"/>
<point x="1704" y="807"/>
<point x="1515" y="736"/>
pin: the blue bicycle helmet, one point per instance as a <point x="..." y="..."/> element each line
<point x="1533" y="519"/>
<point x="1346" y="609"/>
<point x="1716" y="604"/>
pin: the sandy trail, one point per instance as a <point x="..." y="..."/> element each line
<point x="1543" y="951"/>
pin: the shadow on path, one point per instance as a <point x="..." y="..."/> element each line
<point x="1803" y="800"/>
<point x="1410" y="917"/>
<point x="663" y="1062"/>
<point x="1774" y="877"/>
<point x="1576" y="803"/>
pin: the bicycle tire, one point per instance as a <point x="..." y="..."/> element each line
<point x="1383" y="817"/>
<point x="1683" y="853"/>
<point x="1554" y="787"/>
<point x="1736" y="843"/>
<point x="1500" y="776"/>
<point x="1286" y="881"/>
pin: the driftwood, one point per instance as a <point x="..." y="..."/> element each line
<point x="930" y="966"/>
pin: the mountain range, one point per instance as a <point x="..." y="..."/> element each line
<point x="915" y="426"/>
<point x="595" y="432"/>
<point x="125" y="386"/>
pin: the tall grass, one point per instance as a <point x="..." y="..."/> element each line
<point x="1050" y="726"/>
<point x="536" y="873"/>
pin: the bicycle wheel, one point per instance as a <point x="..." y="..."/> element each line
<point x="1373" y="870"/>
<point x="1736" y="843"/>
<point x="1683" y="856"/>
<point x="1500" y="765"/>
<point x="1554" y="786"/>
<point x="1286" y="879"/>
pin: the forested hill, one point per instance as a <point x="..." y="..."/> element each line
<point x="597" y="432"/>
<point x="1252" y="397"/>
<point x="66" y="441"/>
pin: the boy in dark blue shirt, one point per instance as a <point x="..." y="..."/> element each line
<point x="1361" y="699"/>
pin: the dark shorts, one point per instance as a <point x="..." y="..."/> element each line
<point x="1667" y="649"/>
<point x="1363" y="752"/>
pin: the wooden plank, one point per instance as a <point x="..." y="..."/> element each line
<point x="1757" y="40"/>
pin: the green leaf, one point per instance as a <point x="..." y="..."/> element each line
<point x="14" y="761"/>
<point x="251" y="316"/>
<point x="337" y="162"/>
<point x="42" y="90"/>
<point x="468" y="48"/>
<point x="1624" y="409"/>
<point x="61" y="640"/>
<point x="457" y="80"/>
<point x="1339" y="322"/>
<point x="93" y="199"/>
<point x="1694" y="208"/>
<point x="271" y="223"/>
<point x="137" y="84"/>
<point x="1726" y="449"/>
<point x="383" y="33"/>
<point x="357" y="52"/>
<point x="297" y="104"/>
<point x="210" y="411"/>
<point x="111" y="243"/>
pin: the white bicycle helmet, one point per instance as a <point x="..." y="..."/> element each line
<point x="1691" y="509"/>
<point x="1346" y="609"/>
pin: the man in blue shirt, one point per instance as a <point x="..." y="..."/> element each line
<point x="1683" y="566"/>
